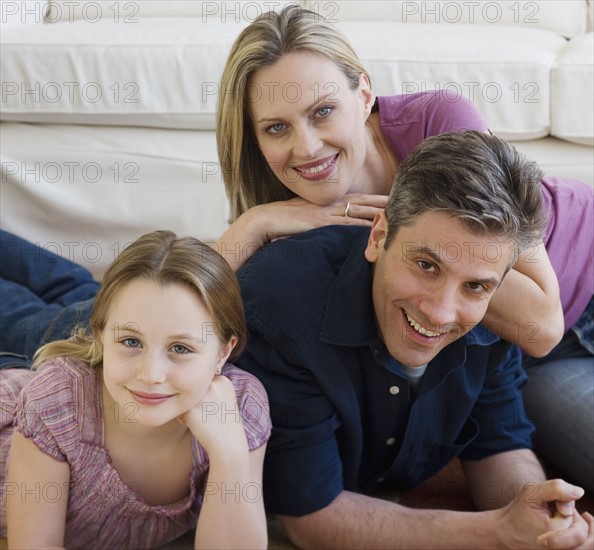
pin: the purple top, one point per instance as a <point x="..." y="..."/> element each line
<point x="406" y="120"/>
<point x="569" y="238"/>
<point x="60" y="409"/>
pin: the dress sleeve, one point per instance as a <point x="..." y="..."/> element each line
<point x="46" y="412"/>
<point x="303" y="469"/>
<point x="447" y="111"/>
<point x="12" y="382"/>
<point x="407" y="120"/>
<point x="253" y="405"/>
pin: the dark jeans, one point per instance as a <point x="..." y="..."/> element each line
<point x="42" y="297"/>
<point x="559" y="398"/>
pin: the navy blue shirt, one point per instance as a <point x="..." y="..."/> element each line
<point x="344" y="415"/>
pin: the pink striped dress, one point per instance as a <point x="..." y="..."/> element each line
<point x="59" y="407"/>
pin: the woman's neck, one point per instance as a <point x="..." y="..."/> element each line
<point x="380" y="162"/>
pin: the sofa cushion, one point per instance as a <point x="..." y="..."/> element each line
<point x="505" y="72"/>
<point x="23" y="12"/>
<point x="112" y="73"/>
<point x="208" y="10"/>
<point x="573" y="82"/>
<point x="108" y="185"/>
<point x="565" y="17"/>
<point x="161" y="72"/>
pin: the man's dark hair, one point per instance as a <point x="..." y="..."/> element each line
<point x="478" y="178"/>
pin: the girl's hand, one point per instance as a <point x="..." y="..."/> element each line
<point x="216" y="422"/>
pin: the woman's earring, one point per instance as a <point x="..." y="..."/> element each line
<point x="218" y="372"/>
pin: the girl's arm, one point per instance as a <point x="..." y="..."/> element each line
<point x="526" y="309"/>
<point x="37" y="496"/>
<point x="266" y="222"/>
<point x="232" y="514"/>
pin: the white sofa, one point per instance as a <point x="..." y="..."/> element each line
<point x="107" y="113"/>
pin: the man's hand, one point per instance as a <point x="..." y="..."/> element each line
<point x="564" y="537"/>
<point x="529" y="521"/>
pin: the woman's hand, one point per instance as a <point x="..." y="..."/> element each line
<point x="286" y="218"/>
<point x="267" y="222"/>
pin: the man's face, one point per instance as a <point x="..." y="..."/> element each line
<point x="433" y="283"/>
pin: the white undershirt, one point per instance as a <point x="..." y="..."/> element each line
<point x="415" y="374"/>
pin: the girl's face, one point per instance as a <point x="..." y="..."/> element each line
<point x="310" y="126"/>
<point x="161" y="352"/>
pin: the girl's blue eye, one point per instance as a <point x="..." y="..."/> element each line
<point x="179" y="348"/>
<point x="324" y="111"/>
<point x="131" y="342"/>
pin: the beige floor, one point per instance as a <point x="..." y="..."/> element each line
<point x="276" y="540"/>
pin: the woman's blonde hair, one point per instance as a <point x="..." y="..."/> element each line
<point x="249" y="180"/>
<point x="163" y="258"/>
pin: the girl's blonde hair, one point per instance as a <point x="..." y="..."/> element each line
<point x="249" y="180"/>
<point x="163" y="258"/>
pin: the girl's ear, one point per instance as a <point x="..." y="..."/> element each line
<point x="225" y="350"/>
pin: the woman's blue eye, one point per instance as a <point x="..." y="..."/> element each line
<point x="275" y="128"/>
<point x="324" y="111"/>
<point x="179" y="348"/>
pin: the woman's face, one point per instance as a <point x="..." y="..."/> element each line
<point x="310" y="125"/>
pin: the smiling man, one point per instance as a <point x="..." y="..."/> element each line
<point x="379" y="373"/>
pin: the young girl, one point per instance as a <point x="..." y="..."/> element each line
<point x="303" y="142"/>
<point x="136" y="429"/>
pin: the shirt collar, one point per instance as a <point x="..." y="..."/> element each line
<point x="349" y="319"/>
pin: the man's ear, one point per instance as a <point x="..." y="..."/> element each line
<point x="377" y="237"/>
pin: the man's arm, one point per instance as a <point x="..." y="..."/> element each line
<point x="359" y="521"/>
<point x="498" y="479"/>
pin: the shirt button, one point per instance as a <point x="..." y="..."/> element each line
<point x="394" y="390"/>
<point x="390" y="441"/>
